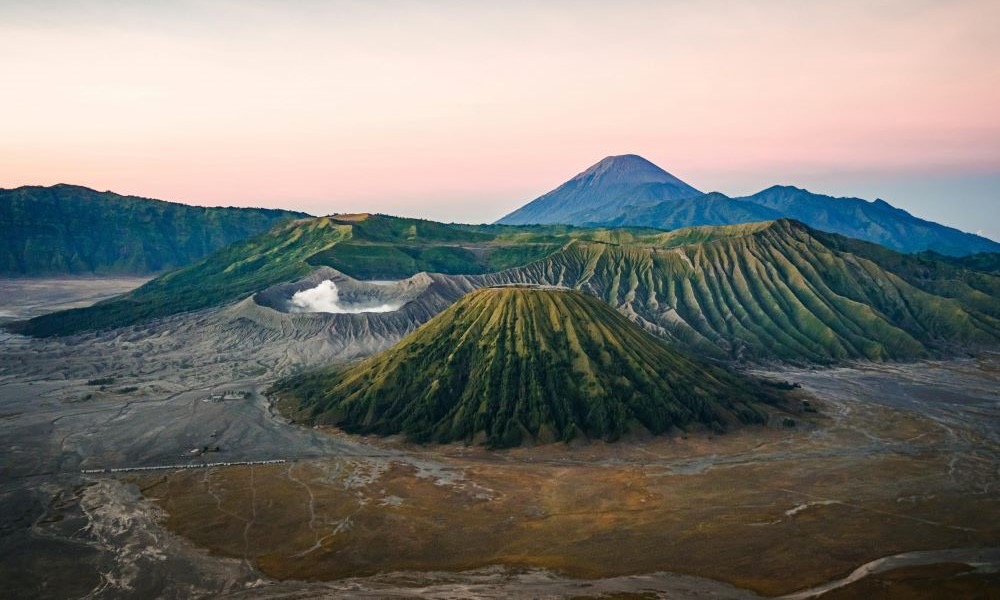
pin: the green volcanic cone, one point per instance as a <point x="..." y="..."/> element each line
<point x="509" y="365"/>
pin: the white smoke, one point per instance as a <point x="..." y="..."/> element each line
<point x="325" y="298"/>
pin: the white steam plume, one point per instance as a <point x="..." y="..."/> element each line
<point x="325" y="298"/>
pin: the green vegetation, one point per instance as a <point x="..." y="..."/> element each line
<point x="72" y="229"/>
<point x="504" y="366"/>
<point x="782" y="290"/>
<point x="755" y="291"/>
<point x="383" y="247"/>
<point x="987" y="262"/>
<point x="972" y="281"/>
<point x="230" y="274"/>
<point x="362" y="246"/>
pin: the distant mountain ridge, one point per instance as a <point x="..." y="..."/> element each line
<point x="624" y="191"/>
<point x="70" y="229"/>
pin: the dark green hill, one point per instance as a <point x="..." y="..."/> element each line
<point x="71" y="229"/>
<point x="987" y="262"/>
<point x="709" y="209"/>
<point x="508" y="365"/>
<point x="382" y="247"/>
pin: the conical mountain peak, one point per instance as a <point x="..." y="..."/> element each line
<point x="510" y="365"/>
<point x="603" y="191"/>
<point x="627" y="168"/>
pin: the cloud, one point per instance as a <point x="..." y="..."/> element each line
<point x="325" y="298"/>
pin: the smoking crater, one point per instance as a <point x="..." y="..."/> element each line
<point x="325" y="298"/>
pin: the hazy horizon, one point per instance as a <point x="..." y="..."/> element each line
<point x="462" y="112"/>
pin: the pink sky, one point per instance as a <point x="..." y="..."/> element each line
<point x="466" y="110"/>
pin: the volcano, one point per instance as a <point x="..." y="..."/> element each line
<point x="511" y="365"/>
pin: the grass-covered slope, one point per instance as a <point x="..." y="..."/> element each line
<point x="362" y="246"/>
<point x="987" y="262"/>
<point x="973" y="281"/>
<point x="508" y="365"/>
<point x="752" y="291"/>
<point x="709" y="209"/>
<point x="230" y="274"/>
<point x="781" y="290"/>
<point x="382" y="247"/>
<point x="66" y="229"/>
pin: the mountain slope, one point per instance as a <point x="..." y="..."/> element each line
<point x="362" y="246"/>
<point x="230" y="274"/>
<point x="508" y="365"/>
<point x="709" y="209"/>
<point x="877" y="222"/>
<point x="756" y="291"/>
<point x="602" y="193"/>
<point x="625" y="191"/>
<point x="987" y="262"/>
<point x="71" y="229"/>
<point x="781" y="290"/>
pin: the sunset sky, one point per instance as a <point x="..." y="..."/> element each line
<point x="463" y="111"/>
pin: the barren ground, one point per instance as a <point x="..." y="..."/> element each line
<point x="29" y="297"/>
<point x="892" y="484"/>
